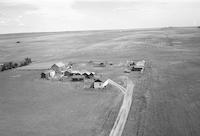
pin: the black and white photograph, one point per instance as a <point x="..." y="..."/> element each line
<point x="99" y="68"/>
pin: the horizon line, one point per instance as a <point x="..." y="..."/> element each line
<point x="87" y="30"/>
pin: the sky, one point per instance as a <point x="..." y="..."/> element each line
<point x="18" y="16"/>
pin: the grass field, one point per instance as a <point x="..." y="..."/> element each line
<point x="32" y="106"/>
<point x="166" y="99"/>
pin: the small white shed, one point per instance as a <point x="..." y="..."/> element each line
<point x="98" y="84"/>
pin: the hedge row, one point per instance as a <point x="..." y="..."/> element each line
<point x="11" y="65"/>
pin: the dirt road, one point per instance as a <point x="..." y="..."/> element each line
<point x="124" y="110"/>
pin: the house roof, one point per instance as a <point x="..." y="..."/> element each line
<point x="97" y="80"/>
<point x="60" y="64"/>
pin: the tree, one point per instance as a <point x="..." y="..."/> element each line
<point x="27" y="60"/>
<point x="15" y="65"/>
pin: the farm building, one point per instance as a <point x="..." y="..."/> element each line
<point x="77" y="78"/>
<point x="48" y="74"/>
<point x="136" y="69"/>
<point x="98" y="84"/>
<point x="139" y="66"/>
<point x="76" y="72"/>
<point x="87" y="74"/>
<point x="58" y="67"/>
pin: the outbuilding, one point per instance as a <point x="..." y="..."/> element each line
<point x="98" y="84"/>
<point x="77" y="78"/>
<point x="87" y="74"/>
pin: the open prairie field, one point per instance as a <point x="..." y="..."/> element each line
<point x="31" y="106"/>
<point x="166" y="97"/>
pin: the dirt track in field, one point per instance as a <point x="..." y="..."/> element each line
<point x="121" y="119"/>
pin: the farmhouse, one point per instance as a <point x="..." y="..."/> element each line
<point x="58" y="67"/>
<point x="48" y="74"/>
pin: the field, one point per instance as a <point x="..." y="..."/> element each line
<point x="166" y="97"/>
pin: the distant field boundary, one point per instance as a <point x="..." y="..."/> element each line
<point x="124" y="111"/>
